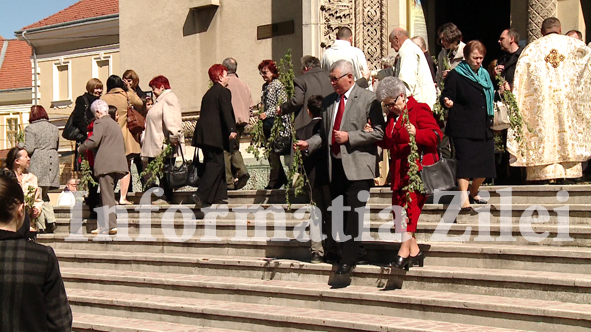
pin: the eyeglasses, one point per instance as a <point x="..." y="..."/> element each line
<point x="336" y="79"/>
<point x="389" y="105"/>
<point x="263" y="72"/>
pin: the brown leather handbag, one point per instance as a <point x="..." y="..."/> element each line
<point x="136" y="122"/>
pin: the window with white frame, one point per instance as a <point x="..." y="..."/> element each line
<point x="62" y="81"/>
<point x="102" y="67"/>
<point x="11" y="128"/>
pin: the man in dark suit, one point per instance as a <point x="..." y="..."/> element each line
<point x="314" y="81"/>
<point x="315" y="166"/>
<point x="214" y="131"/>
<point x="351" y="153"/>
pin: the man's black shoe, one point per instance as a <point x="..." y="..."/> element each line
<point x="344" y="269"/>
<point x="331" y="258"/>
<point x="316" y="258"/>
<point x="242" y="181"/>
<point x="199" y="204"/>
<point x="51" y="227"/>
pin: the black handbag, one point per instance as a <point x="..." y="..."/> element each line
<point x="441" y="175"/>
<point x="281" y="145"/>
<point x="71" y="132"/>
<point x="177" y="176"/>
<point x="196" y="169"/>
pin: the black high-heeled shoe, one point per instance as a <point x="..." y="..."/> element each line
<point x="401" y="262"/>
<point x="417" y="260"/>
<point x="474" y="200"/>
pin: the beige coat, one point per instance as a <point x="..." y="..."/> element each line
<point x="163" y="122"/>
<point x="241" y="99"/>
<point x="118" y="98"/>
<point x="30" y="180"/>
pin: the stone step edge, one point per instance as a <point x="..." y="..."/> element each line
<point x="320" y="292"/>
<point x="266" y="314"/>
<point x="118" y="324"/>
<point x="429" y="247"/>
<point x="451" y="273"/>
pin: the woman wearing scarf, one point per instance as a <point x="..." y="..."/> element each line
<point x="468" y="95"/>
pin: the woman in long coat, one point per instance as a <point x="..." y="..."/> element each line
<point x="215" y="128"/>
<point x="118" y="95"/>
<point x="41" y="143"/>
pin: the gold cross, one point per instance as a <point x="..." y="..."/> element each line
<point x="554" y="58"/>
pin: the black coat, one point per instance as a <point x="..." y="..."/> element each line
<point x="216" y="120"/>
<point x="468" y="117"/>
<point x="313" y="82"/>
<point x="509" y="60"/>
<point x="32" y="293"/>
<point x="82" y="114"/>
<point x="315" y="164"/>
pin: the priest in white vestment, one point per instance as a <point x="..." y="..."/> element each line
<point x="553" y="92"/>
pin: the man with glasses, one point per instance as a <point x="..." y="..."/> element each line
<point x="352" y="156"/>
<point x="67" y="197"/>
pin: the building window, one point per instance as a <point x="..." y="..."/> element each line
<point x="102" y="67"/>
<point x="62" y="83"/>
<point x="12" y="129"/>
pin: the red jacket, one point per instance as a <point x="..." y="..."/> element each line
<point x="396" y="140"/>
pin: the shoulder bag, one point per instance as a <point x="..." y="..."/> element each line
<point x="177" y="176"/>
<point x="71" y="132"/>
<point x="501" y="118"/>
<point x="136" y="122"/>
<point x="196" y="170"/>
<point x="441" y="175"/>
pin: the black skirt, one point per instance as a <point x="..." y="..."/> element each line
<point x="476" y="158"/>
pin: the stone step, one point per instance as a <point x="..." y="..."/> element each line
<point x="524" y="194"/>
<point x="252" y="317"/>
<point x="576" y="235"/>
<point x="547" y="259"/>
<point x="541" y="285"/>
<point x="90" y="322"/>
<point x="434" y="213"/>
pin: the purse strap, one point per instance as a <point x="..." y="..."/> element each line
<point x="196" y="155"/>
<point x="178" y="147"/>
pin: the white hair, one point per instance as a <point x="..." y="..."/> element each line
<point x="390" y="87"/>
<point x="99" y="108"/>
<point x="346" y="67"/>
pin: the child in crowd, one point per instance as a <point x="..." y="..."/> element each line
<point x="316" y="168"/>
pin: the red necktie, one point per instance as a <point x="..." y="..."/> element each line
<point x="336" y="147"/>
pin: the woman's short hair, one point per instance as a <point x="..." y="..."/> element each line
<point x="11" y="196"/>
<point x="216" y="71"/>
<point x="12" y="155"/>
<point x="450" y="33"/>
<point x="271" y="66"/>
<point x="99" y="107"/>
<point x="474" y="45"/>
<point x="115" y="81"/>
<point x="38" y="112"/>
<point x="93" y="83"/>
<point x="159" y="81"/>
<point x="130" y="74"/>
<point x="390" y="87"/>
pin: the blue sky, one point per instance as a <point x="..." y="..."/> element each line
<point x="16" y="14"/>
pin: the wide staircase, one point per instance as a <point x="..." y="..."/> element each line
<point x="529" y="269"/>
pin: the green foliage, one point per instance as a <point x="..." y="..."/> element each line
<point x="415" y="184"/>
<point x="439" y="111"/>
<point x="515" y="117"/>
<point x="499" y="142"/>
<point x="20" y="137"/>
<point x="286" y="74"/>
<point x="86" y="173"/>
<point x="155" y="169"/>
<point x="30" y="201"/>
<point x="258" y="145"/>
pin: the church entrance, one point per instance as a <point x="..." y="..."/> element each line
<point x="482" y="20"/>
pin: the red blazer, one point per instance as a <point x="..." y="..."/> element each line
<point x="396" y="140"/>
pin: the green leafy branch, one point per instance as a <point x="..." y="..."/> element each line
<point x="155" y="169"/>
<point x="516" y="119"/>
<point x="415" y="184"/>
<point x="439" y="111"/>
<point x="86" y="173"/>
<point x="30" y="201"/>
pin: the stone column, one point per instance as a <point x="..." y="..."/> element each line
<point x="537" y="12"/>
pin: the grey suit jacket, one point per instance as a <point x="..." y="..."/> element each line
<point x="359" y="155"/>
<point x="108" y="140"/>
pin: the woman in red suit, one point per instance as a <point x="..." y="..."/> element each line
<point x="392" y="93"/>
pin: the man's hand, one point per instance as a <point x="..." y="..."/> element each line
<point x="263" y="116"/>
<point x="445" y="72"/>
<point x="368" y="128"/>
<point x="233" y="135"/>
<point x="301" y="145"/>
<point x="36" y="212"/>
<point x="448" y="102"/>
<point x="341" y="137"/>
<point x="174" y="141"/>
<point x="410" y="128"/>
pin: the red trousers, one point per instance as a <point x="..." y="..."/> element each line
<point x="414" y="208"/>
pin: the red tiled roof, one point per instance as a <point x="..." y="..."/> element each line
<point x="78" y="11"/>
<point x="15" y="72"/>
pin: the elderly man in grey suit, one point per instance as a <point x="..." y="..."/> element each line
<point x="352" y="153"/>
